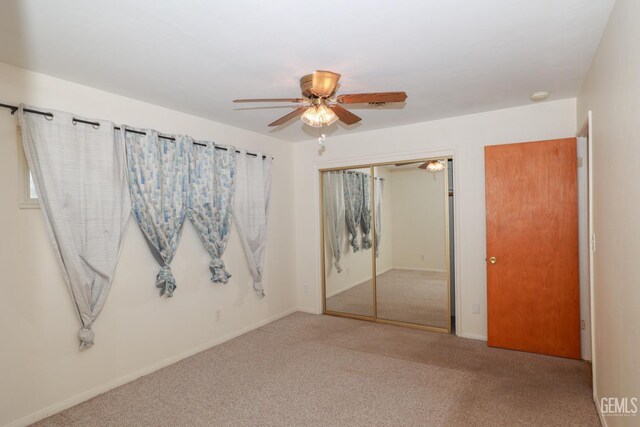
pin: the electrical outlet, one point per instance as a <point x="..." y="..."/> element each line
<point x="422" y="257"/>
<point x="476" y="308"/>
<point x="583" y="325"/>
<point x="218" y="315"/>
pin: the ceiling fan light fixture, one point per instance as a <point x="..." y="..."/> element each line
<point x="435" y="166"/>
<point x="319" y="115"/>
<point x="328" y="116"/>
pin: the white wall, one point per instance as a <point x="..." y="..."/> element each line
<point x="464" y="137"/>
<point x="418" y="206"/>
<point x="611" y="91"/>
<point x="41" y="368"/>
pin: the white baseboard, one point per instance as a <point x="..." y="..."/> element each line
<point x="378" y="273"/>
<point x="472" y="336"/>
<point x="86" y="395"/>
<point x="309" y="310"/>
<point x="435" y="270"/>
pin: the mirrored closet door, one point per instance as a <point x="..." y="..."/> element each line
<point x="394" y="264"/>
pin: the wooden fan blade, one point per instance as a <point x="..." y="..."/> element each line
<point x="291" y="115"/>
<point x="424" y="165"/>
<point x="345" y="116"/>
<point x="357" y="98"/>
<point x="405" y="163"/>
<point x="271" y="100"/>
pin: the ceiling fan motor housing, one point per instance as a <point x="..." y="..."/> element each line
<point x="321" y="84"/>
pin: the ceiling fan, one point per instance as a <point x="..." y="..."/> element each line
<point x="319" y="109"/>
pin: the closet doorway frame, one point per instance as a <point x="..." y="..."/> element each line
<point x="375" y="318"/>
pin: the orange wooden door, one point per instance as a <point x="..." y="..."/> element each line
<point x="533" y="301"/>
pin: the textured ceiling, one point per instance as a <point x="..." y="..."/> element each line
<point x="452" y="57"/>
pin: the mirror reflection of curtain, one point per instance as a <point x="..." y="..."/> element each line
<point x="365" y="218"/>
<point x="378" y="185"/>
<point x="333" y="200"/>
<point x="353" y="205"/>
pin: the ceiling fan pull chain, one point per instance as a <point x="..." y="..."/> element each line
<point x="322" y="138"/>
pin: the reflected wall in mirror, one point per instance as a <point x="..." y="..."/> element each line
<point x="412" y="281"/>
<point x="347" y="223"/>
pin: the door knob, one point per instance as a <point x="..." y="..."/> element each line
<point x="493" y="260"/>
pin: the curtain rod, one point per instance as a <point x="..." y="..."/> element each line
<point x="14" y="108"/>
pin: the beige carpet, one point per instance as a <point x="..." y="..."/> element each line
<point x="322" y="370"/>
<point x="405" y="295"/>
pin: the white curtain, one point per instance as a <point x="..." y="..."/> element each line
<point x="212" y="186"/>
<point x="333" y="201"/>
<point x="159" y="184"/>
<point x="253" y="185"/>
<point x="378" y="186"/>
<point x="80" y="176"/>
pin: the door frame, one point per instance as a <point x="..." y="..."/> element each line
<point x="380" y="160"/>
<point x="587" y="132"/>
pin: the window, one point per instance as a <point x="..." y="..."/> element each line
<point x="28" y="195"/>
<point x="32" y="187"/>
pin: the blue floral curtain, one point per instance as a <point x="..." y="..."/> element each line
<point x="365" y="220"/>
<point x="212" y="183"/>
<point x="158" y="182"/>
<point x="353" y="205"/>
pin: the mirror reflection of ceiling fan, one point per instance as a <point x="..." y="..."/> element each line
<point x="321" y="108"/>
<point x="430" y="165"/>
<point x="433" y="165"/>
